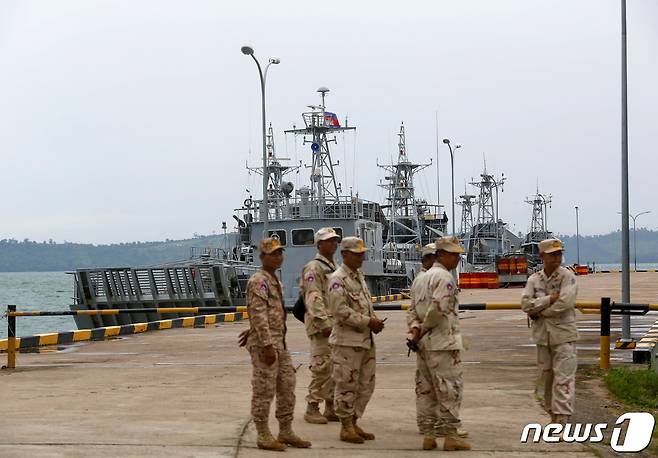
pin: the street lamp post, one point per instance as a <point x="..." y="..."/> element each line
<point x="452" y="179"/>
<point x="625" y="270"/>
<point x="438" y="182"/>
<point x="634" y="236"/>
<point x="577" y="239"/>
<point x="249" y="51"/>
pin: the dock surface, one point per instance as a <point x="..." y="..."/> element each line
<point x="186" y="392"/>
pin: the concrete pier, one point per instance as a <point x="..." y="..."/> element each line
<point x="186" y="392"/>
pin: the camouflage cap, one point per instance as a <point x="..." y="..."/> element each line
<point x="326" y="233"/>
<point x="550" y="246"/>
<point x="269" y="245"/>
<point x="429" y="249"/>
<point x="353" y="244"/>
<point x="449" y="244"/>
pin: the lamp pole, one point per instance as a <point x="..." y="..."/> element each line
<point x="577" y="239"/>
<point x="452" y="179"/>
<point x="625" y="268"/>
<point x="249" y="51"/>
<point x="634" y="236"/>
<point x="438" y="183"/>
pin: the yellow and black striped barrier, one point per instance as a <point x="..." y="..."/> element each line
<point x="13" y="344"/>
<point x="584" y="306"/>
<point x="388" y="298"/>
<point x="195" y="310"/>
<point x="644" y="348"/>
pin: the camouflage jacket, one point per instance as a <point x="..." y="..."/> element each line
<point x="313" y="285"/>
<point x="351" y="304"/>
<point x="556" y="323"/>
<point x="435" y="310"/>
<point x="267" y="314"/>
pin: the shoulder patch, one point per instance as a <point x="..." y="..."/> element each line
<point x="310" y="278"/>
<point x="335" y="285"/>
<point x="263" y="286"/>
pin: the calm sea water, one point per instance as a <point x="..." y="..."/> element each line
<point x="640" y="266"/>
<point x="36" y="291"/>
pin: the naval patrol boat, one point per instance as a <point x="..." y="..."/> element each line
<point x="394" y="233"/>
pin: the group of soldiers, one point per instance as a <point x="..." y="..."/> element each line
<point x="340" y="323"/>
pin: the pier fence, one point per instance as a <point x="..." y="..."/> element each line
<point x="13" y="344"/>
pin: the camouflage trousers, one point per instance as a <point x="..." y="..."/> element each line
<point x="354" y="376"/>
<point x="557" y="366"/>
<point x="439" y="387"/>
<point x="266" y="381"/>
<point x="321" y="387"/>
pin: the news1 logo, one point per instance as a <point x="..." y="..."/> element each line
<point x="638" y="432"/>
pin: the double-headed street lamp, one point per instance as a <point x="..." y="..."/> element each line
<point x="249" y="51"/>
<point x="452" y="174"/>
<point x="577" y="239"/>
<point x="634" y="235"/>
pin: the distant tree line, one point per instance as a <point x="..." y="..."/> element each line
<point x="32" y="256"/>
<point x="606" y="249"/>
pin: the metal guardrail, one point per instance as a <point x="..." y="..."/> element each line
<point x="605" y="306"/>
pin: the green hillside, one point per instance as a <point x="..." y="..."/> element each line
<point x="27" y="255"/>
<point x="30" y="256"/>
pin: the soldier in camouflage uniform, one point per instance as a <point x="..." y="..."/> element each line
<point x="272" y="367"/>
<point x="319" y="323"/>
<point x="353" y="346"/>
<point x="549" y="299"/>
<point x="433" y="320"/>
<point x="428" y="257"/>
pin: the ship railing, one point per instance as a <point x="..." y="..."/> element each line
<point x="191" y="282"/>
<point x="341" y="207"/>
<point x="210" y="252"/>
<point x="395" y="260"/>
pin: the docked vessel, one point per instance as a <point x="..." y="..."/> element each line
<point x="487" y="238"/>
<point x="393" y="232"/>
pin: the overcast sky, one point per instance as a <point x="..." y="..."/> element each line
<point x="133" y="120"/>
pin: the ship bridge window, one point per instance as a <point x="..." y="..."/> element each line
<point x="279" y="234"/>
<point x="302" y="237"/>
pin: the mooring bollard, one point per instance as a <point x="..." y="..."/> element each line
<point x="604" y="351"/>
<point x="11" y="338"/>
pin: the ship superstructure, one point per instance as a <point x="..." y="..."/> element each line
<point x="411" y="220"/>
<point x="295" y="218"/>
<point x="489" y="237"/>
<point x="466" y="202"/>
<point x="538" y="226"/>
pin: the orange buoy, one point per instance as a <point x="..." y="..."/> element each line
<point x="512" y="265"/>
<point x="464" y="280"/>
<point x="492" y="280"/>
<point x="503" y="265"/>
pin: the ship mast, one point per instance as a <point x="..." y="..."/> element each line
<point x="318" y="123"/>
<point x="538" y="224"/>
<point x="278" y="191"/>
<point x="404" y="211"/>
<point x="466" y="202"/>
<point x="488" y="225"/>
